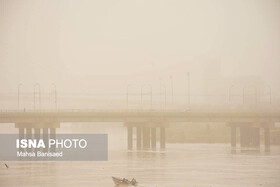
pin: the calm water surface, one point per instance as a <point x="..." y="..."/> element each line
<point x="181" y="165"/>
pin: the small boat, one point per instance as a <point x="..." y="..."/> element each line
<point x="124" y="181"/>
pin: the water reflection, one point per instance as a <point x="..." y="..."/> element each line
<point x="180" y="165"/>
<point x="177" y="166"/>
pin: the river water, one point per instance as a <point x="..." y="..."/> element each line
<point x="180" y="165"/>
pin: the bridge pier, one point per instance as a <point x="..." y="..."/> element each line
<point x="53" y="136"/>
<point x="52" y="133"/>
<point x="256" y="139"/>
<point x="29" y="135"/>
<point x="162" y="138"/>
<point x="153" y="138"/>
<point x="21" y="135"/>
<point x="249" y="138"/>
<point x="36" y="134"/>
<point x="233" y="139"/>
<point x="146" y="138"/>
<point x="267" y="139"/>
<point x="46" y="138"/>
<point x="129" y="138"/>
<point x="139" y="138"/>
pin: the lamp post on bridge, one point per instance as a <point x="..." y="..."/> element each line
<point x="19" y="85"/>
<point x="164" y="87"/>
<point x="127" y="87"/>
<point x="256" y="98"/>
<point x="269" y="93"/>
<point x="151" y="95"/>
<point x="55" y="96"/>
<point x="171" y="79"/>
<point x="35" y="86"/>
<point x="188" y="89"/>
<point x="229" y="93"/>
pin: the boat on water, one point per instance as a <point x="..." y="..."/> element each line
<point x="124" y="181"/>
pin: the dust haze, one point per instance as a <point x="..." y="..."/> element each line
<point x="185" y="89"/>
<point x="99" y="47"/>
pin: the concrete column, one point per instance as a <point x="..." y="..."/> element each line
<point x="21" y="135"/>
<point x="256" y="138"/>
<point x="266" y="139"/>
<point x="29" y="133"/>
<point x="52" y="133"/>
<point x="37" y="135"/>
<point x="146" y="138"/>
<point x="245" y="137"/>
<point x="233" y="139"/>
<point x="29" y="136"/>
<point x="250" y="138"/>
<point x="53" y="136"/>
<point x="129" y="138"/>
<point x="46" y="138"/>
<point x="139" y="138"/>
<point x="154" y="138"/>
<point x="162" y="137"/>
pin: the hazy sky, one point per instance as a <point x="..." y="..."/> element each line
<point x="92" y="46"/>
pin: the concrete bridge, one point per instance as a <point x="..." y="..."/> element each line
<point x="147" y="123"/>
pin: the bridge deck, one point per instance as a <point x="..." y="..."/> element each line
<point x="124" y="116"/>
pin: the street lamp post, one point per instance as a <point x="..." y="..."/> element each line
<point x="35" y="86"/>
<point x="55" y="96"/>
<point x="160" y="91"/>
<point x="164" y="87"/>
<point x="269" y="87"/>
<point x="189" y="89"/>
<point x="229" y="93"/>
<point x="256" y="97"/>
<point x="151" y="95"/>
<point x="127" y="96"/>
<point x="171" y="79"/>
<point x="19" y="85"/>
